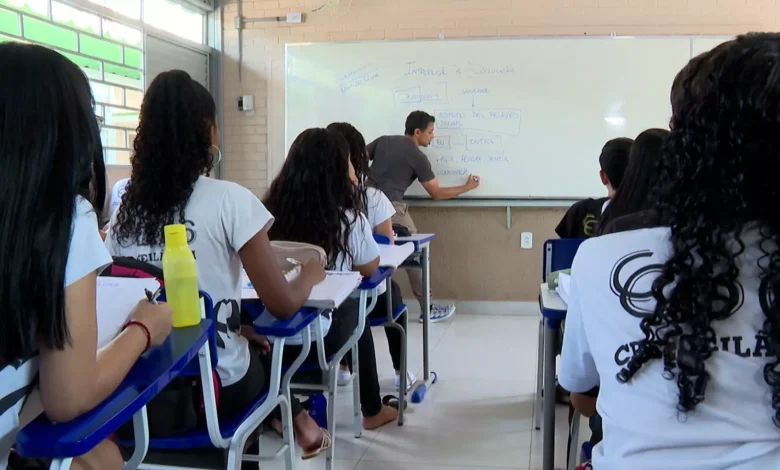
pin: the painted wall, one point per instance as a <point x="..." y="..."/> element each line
<point x="475" y="256"/>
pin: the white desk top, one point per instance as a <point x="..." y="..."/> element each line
<point x="550" y="299"/>
<point x="417" y="237"/>
<point x="392" y="256"/>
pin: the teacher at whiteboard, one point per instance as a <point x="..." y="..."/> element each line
<point x="397" y="163"/>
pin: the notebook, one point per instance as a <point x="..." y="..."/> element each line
<point x="116" y="299"/>
<point x="392" y="256"/>
<point x="328" y="294"/>
<point x="564" y="286"/>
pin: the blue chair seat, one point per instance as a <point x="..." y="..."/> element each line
<point x="199" y="437"/>
<point x="379" y="321"/>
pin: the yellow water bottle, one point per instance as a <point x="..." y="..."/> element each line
<point x="181" y="277"/>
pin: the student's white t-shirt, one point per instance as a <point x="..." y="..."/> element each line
<point x="379" y="208"/>
<point x="364" y="250"/>
<point x="117" y="191"/>
<point x="220" y="218"/>
<point x="85" y="255"/>
<point x="731" y="429"/>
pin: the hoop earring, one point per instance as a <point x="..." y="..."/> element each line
<point x="218" y="156"/>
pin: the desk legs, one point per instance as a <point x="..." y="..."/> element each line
<point x="548" y="429"/>
<point x="426" y="313"/>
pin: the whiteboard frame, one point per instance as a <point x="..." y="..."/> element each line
<point x="417" y="201"/>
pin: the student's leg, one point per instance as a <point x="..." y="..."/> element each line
<point x="345" y="320"/>
<point x="105" y="456"/>
<point x="393" y="335"/>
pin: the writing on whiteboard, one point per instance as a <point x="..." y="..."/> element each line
<point x="413" y="69"/>
<point x="357" y="77"/>
<point x="498" y="121"/>
<point x="471" y="69"/>
<point x="435" y="92"/>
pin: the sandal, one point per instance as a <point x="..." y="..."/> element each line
<point x="392" y="401"/>
<point x="324" y="445"/>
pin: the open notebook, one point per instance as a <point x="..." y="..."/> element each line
<point x="116" y="299"/>
<point x="392" y="256"/>
<point x="330" y="293"/>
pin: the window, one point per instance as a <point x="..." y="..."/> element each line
<point x="189" y="24"/>
<point x="109" y="53"/>
<point x="129" y="8"/>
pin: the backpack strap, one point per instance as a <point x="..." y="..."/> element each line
<point x="125" y="266"/>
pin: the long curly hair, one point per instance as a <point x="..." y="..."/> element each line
<point x="718" y="175"/>
<point x="171" y="151"/>
<point x="641" y="176"/>
<point x="312" y="197"/>
<point x="358" y="155"/>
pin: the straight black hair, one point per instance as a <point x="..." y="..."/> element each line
<point x="614" y="159"/>
<point x="50" y="153"/>
<point x="418" y="120"/>
<point x="640" y="177"/>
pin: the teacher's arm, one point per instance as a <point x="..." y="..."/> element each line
<point x="438" y="193"/>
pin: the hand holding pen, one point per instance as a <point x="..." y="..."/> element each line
<point x="156" y="317"/>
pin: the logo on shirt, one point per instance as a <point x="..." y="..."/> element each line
<point x="588" y="224"/>
<point x="631" y="280"/>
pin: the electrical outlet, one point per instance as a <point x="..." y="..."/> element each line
<point x="526" y="240"/>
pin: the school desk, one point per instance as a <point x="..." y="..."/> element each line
<point x="151" y="373"/>
<point x="422" y="246"/>
<point x="553" y="313"/>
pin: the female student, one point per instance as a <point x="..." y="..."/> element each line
<point x="680" y="322"/>
<point x="227" y="227"/>
<point x="315" y="202"/>
<point x="640" y="178"/>
<point x="52" y="184"/>
<point x="379" y="211"/>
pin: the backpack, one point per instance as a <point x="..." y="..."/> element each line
<point x="178" y="407"/>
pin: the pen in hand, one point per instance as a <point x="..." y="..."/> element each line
<point x="152" y="297"/>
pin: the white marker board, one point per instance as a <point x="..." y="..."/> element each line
<point x="528" y="115"/>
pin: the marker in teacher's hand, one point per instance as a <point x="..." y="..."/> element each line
<point x="475" y="178"/>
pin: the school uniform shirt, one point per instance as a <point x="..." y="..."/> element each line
<point x="86" y="255"/>
<point x="220" y="217"/>
<point x="397" y="163"/>
<point x="731" y="429"/>
<point x="364" y="250"/>
<point x="379" y="210"/>
<point x="581" y="218"/>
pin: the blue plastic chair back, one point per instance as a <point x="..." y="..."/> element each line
<point x="559" y="254"/>
<point x="193" y="368"/>
<point x="381" y="239"/>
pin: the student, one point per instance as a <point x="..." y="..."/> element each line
<point x="678" y="321"/>
<point x="581" y="218"/>
<point x="379" y="211"/>
<point x="316" y="203"/>
<point x="398" y="162"/>
<point x="227" y="227"/>
<point x="52" y="184"/>
<point x="640" y="178"/>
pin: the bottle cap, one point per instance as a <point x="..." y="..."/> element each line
<point x="175" y="235"/>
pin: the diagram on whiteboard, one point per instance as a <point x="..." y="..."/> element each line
<point x="528" y="116"/>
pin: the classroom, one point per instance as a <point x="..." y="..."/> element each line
<point x="218" y="217"/>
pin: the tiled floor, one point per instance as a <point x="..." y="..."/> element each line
<point x="478" y="416"/>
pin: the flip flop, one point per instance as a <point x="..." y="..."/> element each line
<point x="324" y="445"/>
<point x="392" y="401"/>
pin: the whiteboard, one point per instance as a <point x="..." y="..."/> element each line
<point x="530" y="116"/>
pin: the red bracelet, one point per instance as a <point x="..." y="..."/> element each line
<point x="144" y="328"/>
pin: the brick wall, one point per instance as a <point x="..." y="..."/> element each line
<point x="254" y="146"/>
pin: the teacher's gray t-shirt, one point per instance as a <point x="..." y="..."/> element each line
<point x="398" y="162"/>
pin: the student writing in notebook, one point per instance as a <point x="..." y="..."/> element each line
<point x="227" y="227"/>
<point x="316" y="203"/>
<point x="581" y="218"/>
<point x="379" y="211"/>
<point x="51" y="188"/>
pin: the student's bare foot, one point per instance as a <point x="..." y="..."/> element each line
<point x="386" y="415"/>
<point x="308" y="435"/>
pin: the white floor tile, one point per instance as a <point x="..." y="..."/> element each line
<point x="478" y="416"/>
